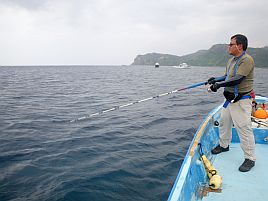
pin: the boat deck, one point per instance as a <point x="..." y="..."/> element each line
<point x="236" y="185"/>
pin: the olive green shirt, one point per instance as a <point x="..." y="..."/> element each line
<point x="245" y="68"/>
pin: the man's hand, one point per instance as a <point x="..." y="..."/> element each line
<point x="211" y="80"/>
<point x="214" y="87"/>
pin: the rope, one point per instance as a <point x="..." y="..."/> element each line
<point x="259" y="121"/>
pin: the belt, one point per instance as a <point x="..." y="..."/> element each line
<point x="227" y="102"/>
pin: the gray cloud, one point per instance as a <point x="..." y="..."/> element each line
<point x="115" y="31"/>
<point x="27" y="4"/>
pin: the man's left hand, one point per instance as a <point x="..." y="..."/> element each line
<point x="214" y="87"/>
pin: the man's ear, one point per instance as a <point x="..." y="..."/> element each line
<point x="240" y="47"/>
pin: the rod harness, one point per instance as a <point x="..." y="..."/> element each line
<point x="135" y="102"/>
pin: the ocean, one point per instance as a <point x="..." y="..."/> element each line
<point x="133" y="153"/>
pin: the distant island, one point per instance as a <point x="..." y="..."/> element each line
<point x="215" y="56"/>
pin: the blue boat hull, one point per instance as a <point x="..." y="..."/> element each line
<point x="192" y="178"/>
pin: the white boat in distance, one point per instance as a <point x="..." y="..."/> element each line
<point x="182" y="65"/>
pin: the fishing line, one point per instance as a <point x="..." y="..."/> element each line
<point x="136" y="102"/>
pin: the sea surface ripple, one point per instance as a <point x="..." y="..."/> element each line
<point x="129" y="154"/>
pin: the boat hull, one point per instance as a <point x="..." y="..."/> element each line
<point x="192" y="178"/>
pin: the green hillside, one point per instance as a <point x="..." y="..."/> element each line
<point x="217" y="55"/>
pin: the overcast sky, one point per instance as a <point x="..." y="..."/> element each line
<point x="113" y="32"/>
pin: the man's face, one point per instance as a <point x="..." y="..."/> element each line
<point x="233" y="48"/>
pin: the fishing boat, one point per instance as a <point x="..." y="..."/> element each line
<point x="183" y="65"/>
<point x="193" y="181"/>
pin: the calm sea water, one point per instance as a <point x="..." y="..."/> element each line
<point x="133" y="153"/>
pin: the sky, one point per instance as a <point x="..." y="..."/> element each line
<point x="114" y="32"/>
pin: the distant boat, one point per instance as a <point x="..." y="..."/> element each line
<point x="183" y="65"/>
<point x="156" y="65"/>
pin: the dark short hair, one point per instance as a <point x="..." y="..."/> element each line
<point x="241" y="39"/>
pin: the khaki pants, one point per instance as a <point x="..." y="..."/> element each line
<point x="239" y="115"/>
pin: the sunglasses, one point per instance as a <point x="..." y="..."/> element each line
<point x="231" y="44"/>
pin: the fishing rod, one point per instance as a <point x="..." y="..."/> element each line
<point x="138" y="101"/>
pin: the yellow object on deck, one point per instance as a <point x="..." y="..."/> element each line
<point x="215" y="179"/>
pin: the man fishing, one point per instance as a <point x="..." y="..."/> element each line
<point x="238" y="91"/>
